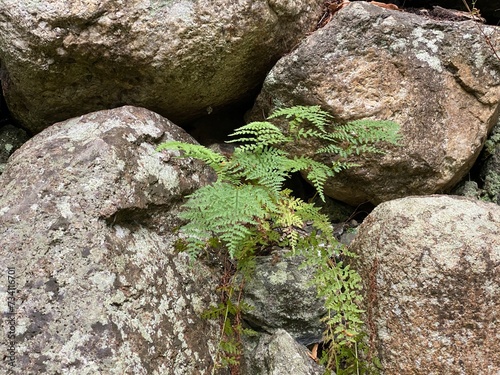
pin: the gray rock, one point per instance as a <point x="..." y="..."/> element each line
<point x="88" y="222"/>
<point x="490" y="171"/>
<point x="468" y="189"/>
<point x="348" y="236"/>
<point x="282" y="297"/>
<point x="439" y="80"/>
<point x="279" y="354"/>
<point x="432" y="285"/>
<point x="180" y="58"/>
<point x="11" y="138"/>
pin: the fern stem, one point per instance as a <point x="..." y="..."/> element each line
<point x="221" y="336"/>
<point x="356" y="356"/>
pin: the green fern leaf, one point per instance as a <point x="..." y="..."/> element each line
<point x="247" y="208"/>
<point x="297" y="114"/>
<point x="212" y="158"/>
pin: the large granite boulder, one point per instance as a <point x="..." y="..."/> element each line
<point x="180" y="58"/>
<point x="439" y="80"/>
<point x="431" y="275"/>
<point x="88" y="224"/>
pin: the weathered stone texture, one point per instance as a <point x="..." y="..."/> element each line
<point x="430" y="268"/>
<point x="179" y="58"/>
<point x="439" y="80"/>
<point x="279" y="354"/>
<point x="11" y="138"/>
<point x="88" y="219"/>
<point x="282" y="297"/>
<point x="490" y="170"/>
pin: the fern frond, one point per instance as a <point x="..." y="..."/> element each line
<point x="249" y="332"/>
<point x="265" y="166"/>
<point x="213" y="209"/>
<point x="214" y="311"/>
<point x="297" y="114"/>
<point x="308" y="133"/>
<point x="261" y="133"/>
<point x="378" y="131"/>
<point x="212" y="158"/>
<point x="247" y="208"/>
<point x="288" y="218"/>
<point x="318" y="174"/>
<point x="358" y="133"/>
<point x="230" y="347"/>
<point x="320" y="222"/>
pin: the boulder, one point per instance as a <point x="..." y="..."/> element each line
<point x="11" y="138"/>
<point x="180" y="58"/>
<point x="439" y="80"/>
<point x="432" y="285"/>
<point x="88" y="224"/>
<point x="279" y="354"/>
<point x="490" y="170"/>
<point x="282" y="297"/>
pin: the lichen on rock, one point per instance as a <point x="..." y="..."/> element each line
<point x="88" y="221"/>
<point x="431" y="285"/>
<point x="439" y="80"/>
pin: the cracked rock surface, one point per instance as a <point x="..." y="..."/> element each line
<point x="282" y="296"/>
<point x="87" y="220"/>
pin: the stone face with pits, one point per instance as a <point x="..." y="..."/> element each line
<point x="439" y="80"/>
<point x="88" y="211"/>
<point x="431" y="277"/>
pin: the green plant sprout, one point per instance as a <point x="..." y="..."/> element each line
<point x="248" y="211"/>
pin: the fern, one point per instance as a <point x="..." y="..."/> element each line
<point x="222" y="206"/>
<point x="213" y="159"/>
<point x="247" y="210"/>
<point x="259" y="134"/>
<point x="262" y="166"/>
<point x="297" y="114"/>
